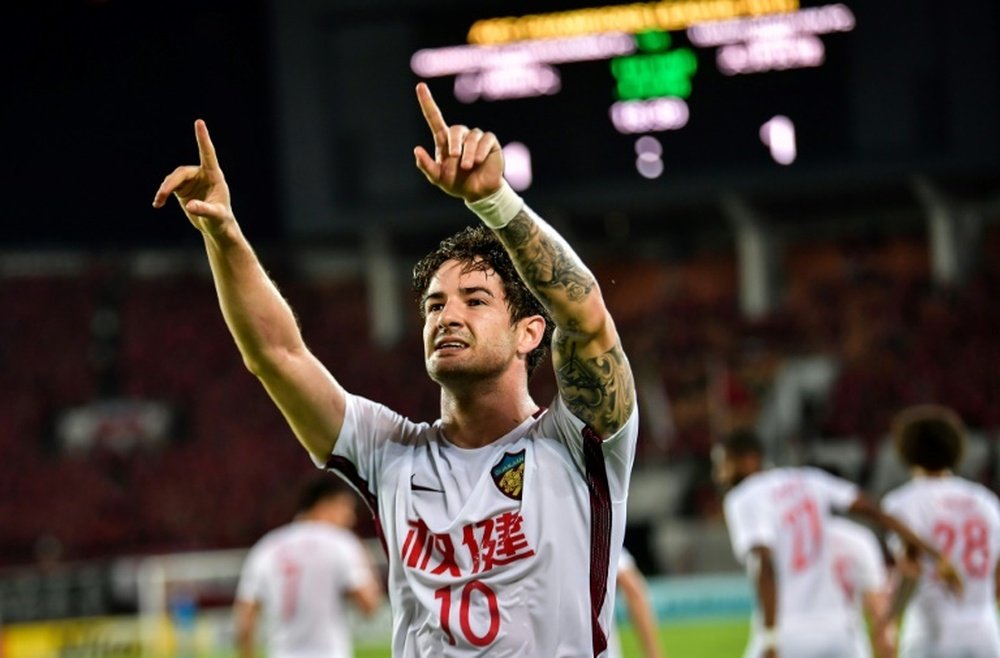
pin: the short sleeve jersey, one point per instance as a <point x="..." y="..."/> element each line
<point x="859" y="568"/>
<point x="961" y="518"/>
<point x="300" y="574"/>
<point x="788" y="511"/>
<point x="505" y="550"/>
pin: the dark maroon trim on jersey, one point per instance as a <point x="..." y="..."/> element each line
<point x="346" y="469"/>
<point x="600" y="533"/>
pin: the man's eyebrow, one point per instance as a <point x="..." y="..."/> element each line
<point x="474" y="289"/>
<point x="432" y="295"/>
<point x="471" y="290"/>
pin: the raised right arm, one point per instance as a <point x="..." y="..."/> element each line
<point x="259" y="319"/>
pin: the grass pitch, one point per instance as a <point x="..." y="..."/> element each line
<point x="702" y="639"/>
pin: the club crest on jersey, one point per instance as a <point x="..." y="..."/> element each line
<point x="508" y="474"/>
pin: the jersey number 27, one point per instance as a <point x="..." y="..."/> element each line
<point x="806" y="528"/>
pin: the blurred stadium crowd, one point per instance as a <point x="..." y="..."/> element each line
<point x="219" y="475"/>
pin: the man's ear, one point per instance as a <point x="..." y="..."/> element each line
<point x="531" y="330"/>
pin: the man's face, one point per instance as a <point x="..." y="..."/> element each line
<point x="467" y="328"/>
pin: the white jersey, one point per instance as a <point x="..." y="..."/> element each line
<point x="300" y="574"/>
<point x="505" y="550"/>
<point x="859" y="568"/>
<point x="962" y="519"/>
<point x="788" y="511"/>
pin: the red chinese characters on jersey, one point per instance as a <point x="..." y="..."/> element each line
<point x="490" y="543"/>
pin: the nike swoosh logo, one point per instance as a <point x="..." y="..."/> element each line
<point x="419" y="487"/>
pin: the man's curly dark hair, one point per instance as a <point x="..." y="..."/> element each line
<point x="479" y="249"/>
<point x="929" y="436"/>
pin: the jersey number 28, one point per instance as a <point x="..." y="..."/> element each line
<point x="974" y="538"/>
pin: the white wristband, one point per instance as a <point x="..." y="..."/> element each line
<point x="499" y="208"/>
<point x="769" y="638"/>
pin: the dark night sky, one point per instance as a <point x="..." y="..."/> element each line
<point x="100" y="96"/>
<point x="99" y="105"/>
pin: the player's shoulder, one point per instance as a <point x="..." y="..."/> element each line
<point x="368" y="416"/>
<point x="754" y="486"/>
<point x="839" y="524"/>
<point x="971" y="486"/>
<point x="976" y="490"/>
<point x="322" y="531"/>
<point x="273" y="539"/>
<point x="909" y="489"/>
<point x="782" y="477"/>
<point x="819" y="477"/>
<point x="848" y="529"/>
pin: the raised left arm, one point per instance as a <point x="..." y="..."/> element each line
<point x="592" y="372"/>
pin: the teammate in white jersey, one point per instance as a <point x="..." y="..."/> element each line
<point x="502" y="520"/>
<point x="962" y="518"/>
<point x="859" y="569"/>
<point x="778" y="520"/>
<point x="302" y="576"/>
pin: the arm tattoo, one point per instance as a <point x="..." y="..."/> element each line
<point x="599" y="390"/>
<point x="546" y="264"/>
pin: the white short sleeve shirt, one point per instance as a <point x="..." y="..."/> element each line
<point x="506" y="550"/>
<point x="788" y="511"/>
<point x="301" y="575"/>
<point x="962" y="519"/>
<point x="859" y="568"/>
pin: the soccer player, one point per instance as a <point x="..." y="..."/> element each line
<point x="633" y="588"/>
<point x="778" y="520"/>
<point x="503" y="520"/>
<point x="859" y="568"/>
<point x="962" y="519"/>
<point x="301" y="577"/>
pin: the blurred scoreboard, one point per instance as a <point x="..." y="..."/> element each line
<point x="606" y="106"/>
<point x="650" y="90"/>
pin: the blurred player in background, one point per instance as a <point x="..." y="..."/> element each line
<point x="859" y="567"/>
<point x="302" y="576"/>
<point x="778" y="520"/>
<point x="962" y="519"/>
<point x="503" y="520"/>
<point x="632" y="586"/>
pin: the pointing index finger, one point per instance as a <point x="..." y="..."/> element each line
<point x="432" y="114"/>
<point x="206" y="151"/>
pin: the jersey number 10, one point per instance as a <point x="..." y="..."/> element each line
<point x="443" y="594"/>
